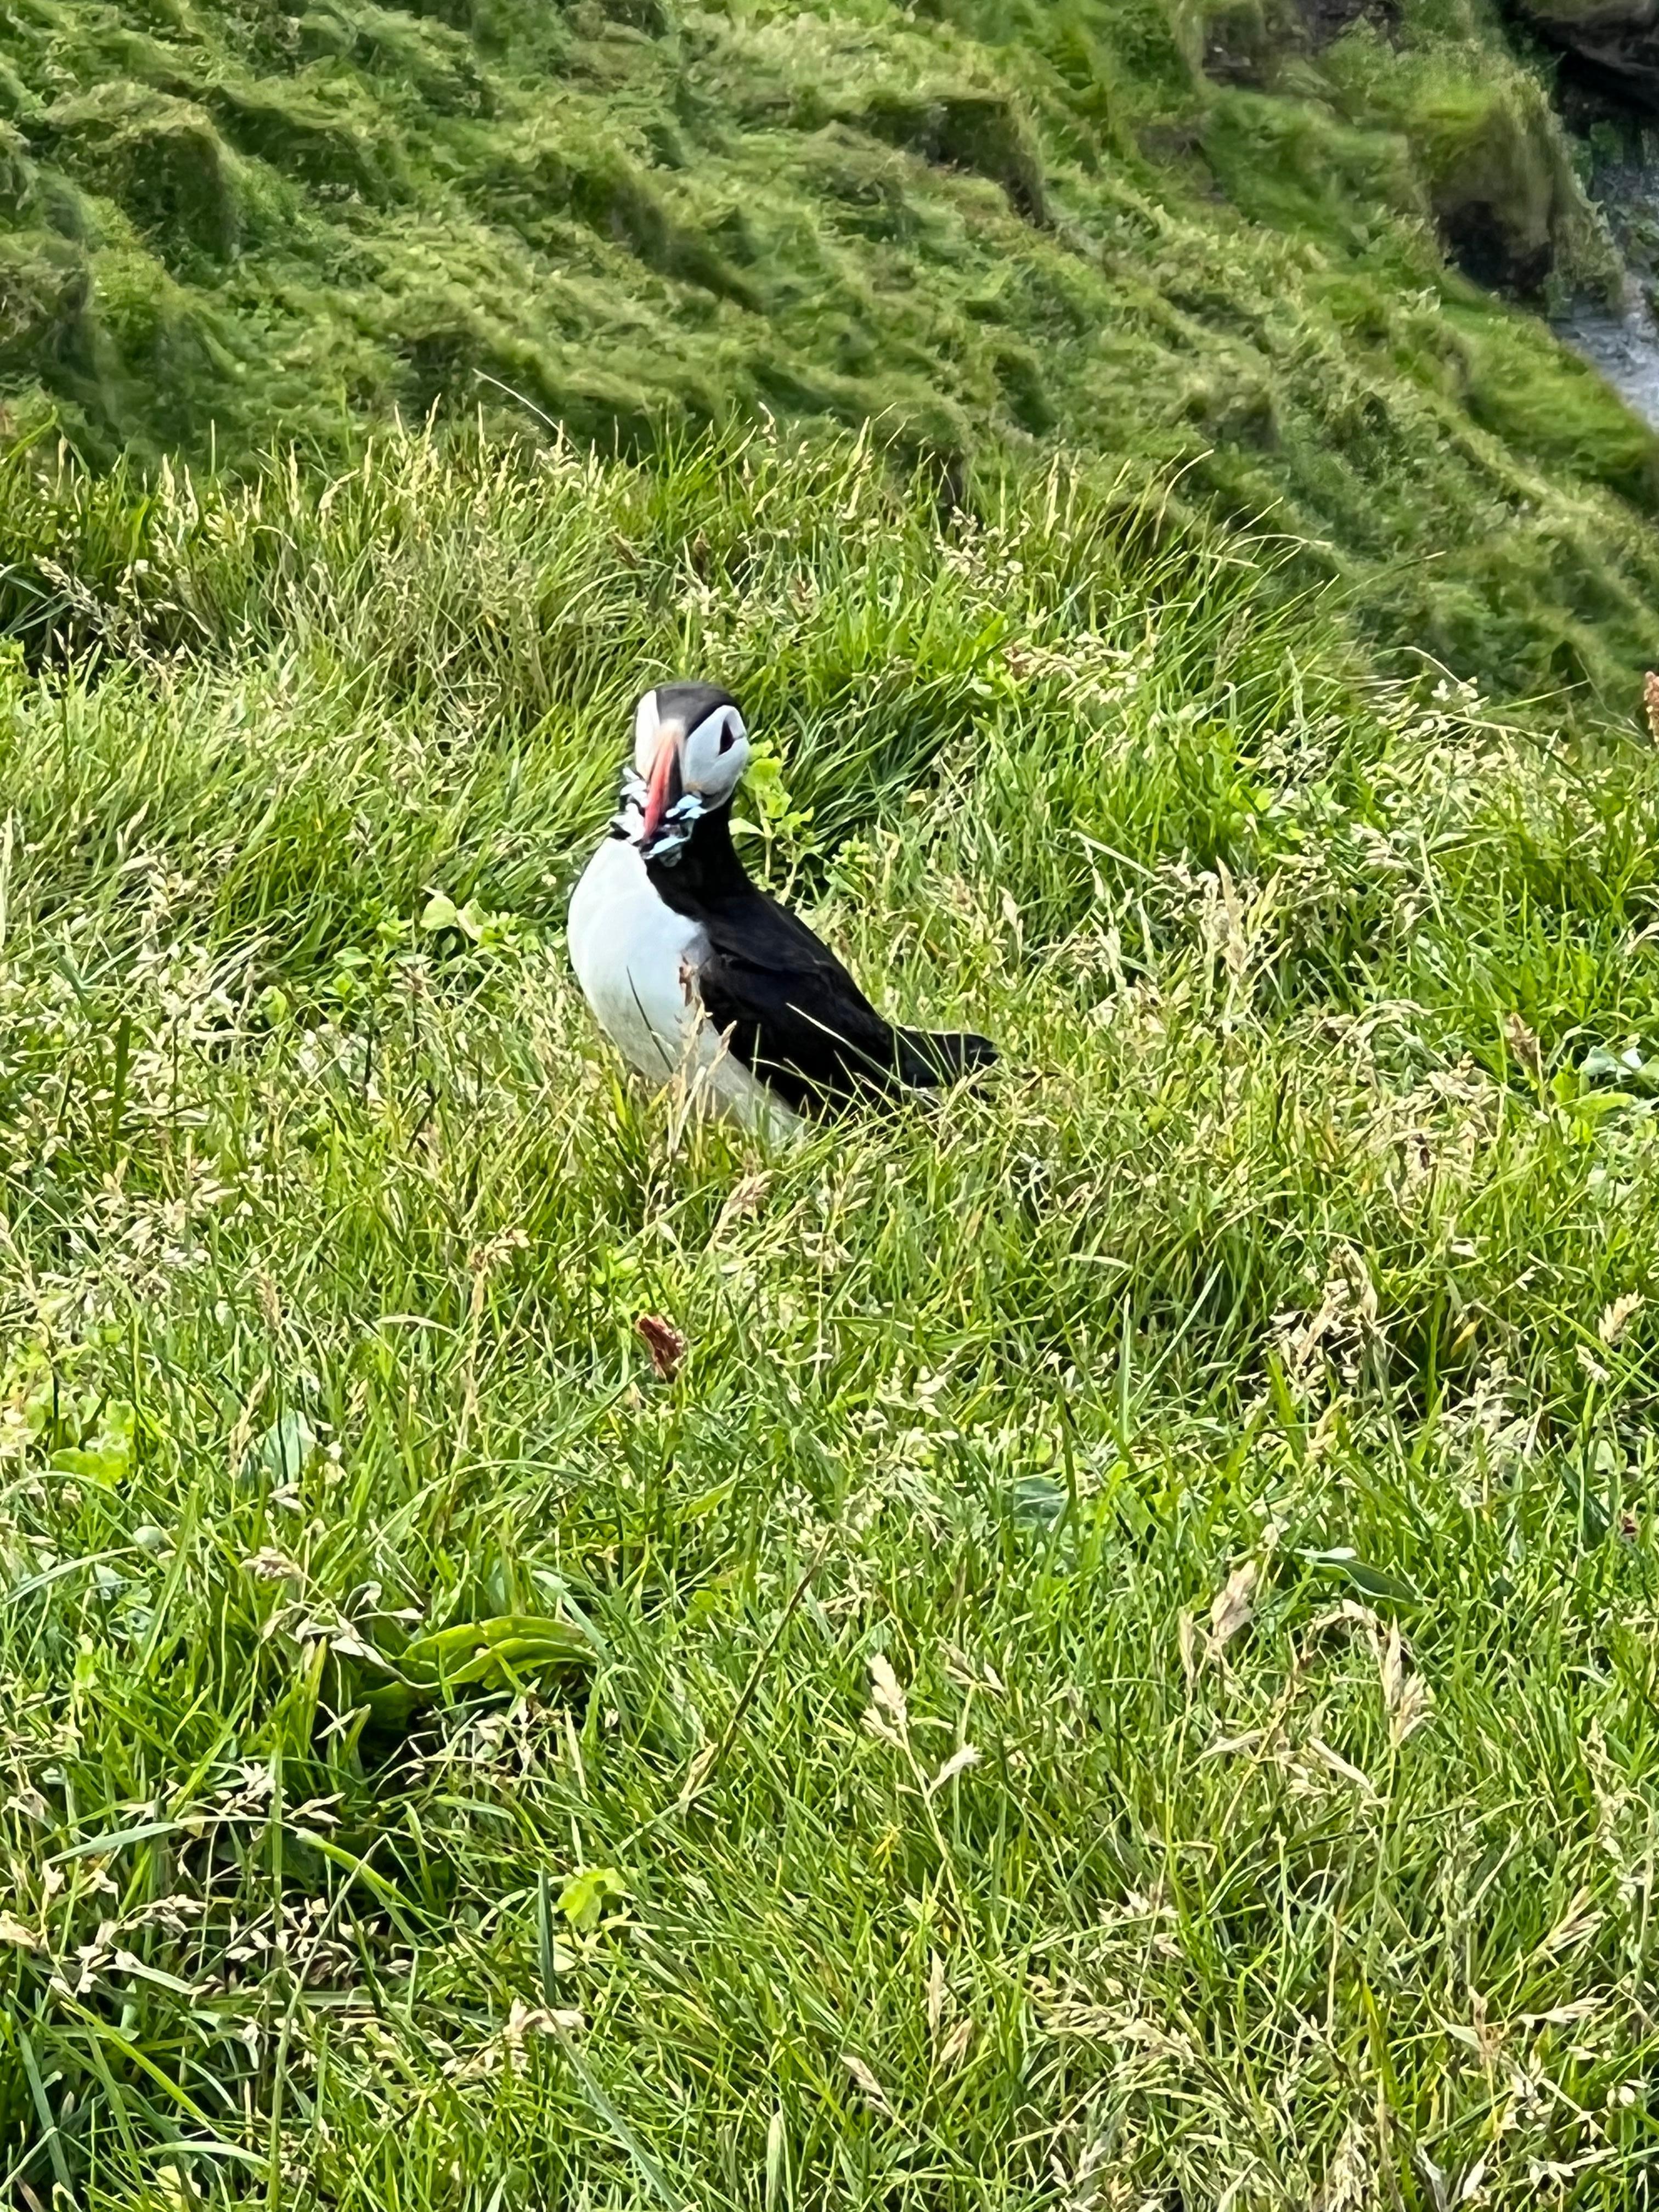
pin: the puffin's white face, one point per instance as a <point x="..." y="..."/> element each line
<point x="690" y="749"/>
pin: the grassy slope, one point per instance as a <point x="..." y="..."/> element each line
<point x="974" y="222"/>
<point x="1298" y="1240"/>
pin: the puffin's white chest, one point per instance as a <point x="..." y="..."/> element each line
<point x="633" y="958"/>
<point x="636" y="961"/>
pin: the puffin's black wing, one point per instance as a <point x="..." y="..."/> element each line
<point x="799" y="1021"/>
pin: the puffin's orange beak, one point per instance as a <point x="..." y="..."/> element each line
<point x="664" y="789"/>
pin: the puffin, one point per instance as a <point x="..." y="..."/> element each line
<point x="693" y="971"/>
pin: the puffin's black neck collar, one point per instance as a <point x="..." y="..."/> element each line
<point x="704" y="869"/>
<point x="692" y="859"/>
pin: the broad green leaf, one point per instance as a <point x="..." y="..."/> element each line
<point x="587" y="1892"/>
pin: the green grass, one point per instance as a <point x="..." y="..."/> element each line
<point x="1293" y="1249"/>
<point x="992" y="226"/>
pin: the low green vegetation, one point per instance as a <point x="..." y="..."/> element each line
<point x="1228" y="245"/>
<point x="1117" y="1670"/>
<point x="1098" y="1651"/>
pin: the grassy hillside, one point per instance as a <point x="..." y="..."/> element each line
<point x="1215" y="242"/>
<point x="1119" y="1670"/>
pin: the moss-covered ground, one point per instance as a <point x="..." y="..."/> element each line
<point x="1217" y="248"/>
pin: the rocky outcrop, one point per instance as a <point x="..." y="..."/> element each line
<point x="1488" y="164"/>
<point x="1501" y="188"/>
<point x="1615" y="41"/>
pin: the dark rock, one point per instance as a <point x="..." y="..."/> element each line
<point x="1615" y="42"/>
<point x="1487" y="246"/>
<point x="1502" y="191"/>
<point x="1242" y="47"/>
<point x="1326" y="21"/>
<point x="1246" y="41"/>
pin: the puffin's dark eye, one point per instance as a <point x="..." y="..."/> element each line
<point x="728" y="736"/>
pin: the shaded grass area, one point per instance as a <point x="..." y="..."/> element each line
<point x="982" y="227"/>
<point x="1120" y="1665"/>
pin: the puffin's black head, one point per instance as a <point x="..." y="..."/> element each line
<point x="690" y="749"/>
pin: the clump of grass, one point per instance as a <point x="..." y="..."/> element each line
<point x="1119" y="1666"/>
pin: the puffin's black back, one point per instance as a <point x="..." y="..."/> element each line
<point x="792" y="1014"/>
